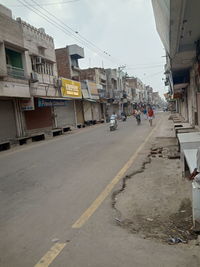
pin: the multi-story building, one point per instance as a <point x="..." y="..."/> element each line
<point x="68" y="68"/>
<point x="40" y="67"/>
<point x="177" y="25"/>
<point x="114" y="91"/>
<point x="68" y="61"/>
<point x="32" y="98"/>
<point x="97" y="76"/>
<point x="149" y="90"/>
<point x="14" y="76"/>
<point x="139" y="91"/>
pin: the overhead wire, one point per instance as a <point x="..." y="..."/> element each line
<point x="55" y="24"/>
<point x="48" y="3"/>
<point x="146" y="67"/>
<point x="72" y="31"/>
<point x="74" y="34"/>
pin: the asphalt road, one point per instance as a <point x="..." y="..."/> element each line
<point x="45" y="187"/>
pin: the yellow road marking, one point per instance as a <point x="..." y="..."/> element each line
<point x="49" y="257"/>
<point x="98" y="201"/>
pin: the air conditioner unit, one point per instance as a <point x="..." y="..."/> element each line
<point x="34" y="77"/>
<point x="38" y="60"/>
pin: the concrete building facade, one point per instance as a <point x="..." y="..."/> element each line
<point x="67" y="59"/>
<point x="181" y="40"/>
<point x="14" y="79"/>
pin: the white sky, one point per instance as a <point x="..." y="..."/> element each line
<point x="125" y="29"/>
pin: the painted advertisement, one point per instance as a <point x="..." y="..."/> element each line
<point x="71" y="89"/>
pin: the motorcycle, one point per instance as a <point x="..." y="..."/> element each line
<point x="113" y="124"/>
<point x="138" y="119"/>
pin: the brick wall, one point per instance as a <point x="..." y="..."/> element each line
<point x="63" y="63"/>
<point x="88" y="74"/>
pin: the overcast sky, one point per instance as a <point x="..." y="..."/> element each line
<point x="124" y="29"/>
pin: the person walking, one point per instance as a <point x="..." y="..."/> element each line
<point x="138" y="116"/>
<point x="145" y="113"/>
<point x="150" y="115"/>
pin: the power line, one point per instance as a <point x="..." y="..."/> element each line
<point x="74" y="34"/>
<point x="74" y="31"/>
<point x="48" y="3"/>
<point x="145" y="64"/>
<point x="55" y="24"/>
<point x="146" y="67"/>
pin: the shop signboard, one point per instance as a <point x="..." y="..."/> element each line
<point x="71" y="89"/>
<point x="43" y="102"/>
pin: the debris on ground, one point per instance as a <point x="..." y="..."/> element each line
<point x="170" y="152"/>
<point x="175" y="240"/>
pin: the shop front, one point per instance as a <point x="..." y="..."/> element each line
<point x="71" y="91"/>
<point x="7" y="120"/>
<point x="39" y="116"/>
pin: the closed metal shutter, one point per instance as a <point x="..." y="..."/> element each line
<point x="7" y="120"/>
<point x="96" y="110"/>
<point x="79" y="112"/>
<point x="87" y="106"/>
<point x="65" y="115"/>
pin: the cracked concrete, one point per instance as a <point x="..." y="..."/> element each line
<point x="153" y="200"/>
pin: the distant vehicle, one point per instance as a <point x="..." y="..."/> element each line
<point x="113" y="123"/>
<point x="165" y="109"/>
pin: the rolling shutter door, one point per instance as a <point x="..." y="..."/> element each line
<point x="7" y="120"/>
<point x="65" y="114"/>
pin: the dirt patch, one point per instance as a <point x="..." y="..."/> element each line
<point x="154" y="201"/>
<point x="177" y="225"/>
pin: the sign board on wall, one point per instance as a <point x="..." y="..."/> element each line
<point x="71" y="89"/>
<point x="27" y="104"/>
<point x="50" y="102"/>
<point x="92" y="88"/>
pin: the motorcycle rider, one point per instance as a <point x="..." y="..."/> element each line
<point x="114" y="117"/>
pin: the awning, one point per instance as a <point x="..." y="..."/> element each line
<point x="90" y="100"/>
<point x="54" y="98"/>
<point x="179" y="86"/>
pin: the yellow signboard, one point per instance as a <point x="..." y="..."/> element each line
<point x="71" y="89"/>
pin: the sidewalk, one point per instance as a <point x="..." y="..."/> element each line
<point x="154" y="201"/>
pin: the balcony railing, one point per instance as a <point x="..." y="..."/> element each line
<point x="15" y="72"/>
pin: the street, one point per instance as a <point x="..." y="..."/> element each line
<point x="46" y="187"/>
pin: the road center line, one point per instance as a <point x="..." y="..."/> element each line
<point x="98" y="201"/>
<point x="49" y="257"/>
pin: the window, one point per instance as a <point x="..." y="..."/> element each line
<point x="14" y="58"/>
<point x="45" y="67"/>
<point x="74" y="62"/>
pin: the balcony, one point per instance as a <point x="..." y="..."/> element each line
<point x="102" y="93"/>
<point x="15" y="72"/>
<point x="76" y="51"/>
